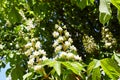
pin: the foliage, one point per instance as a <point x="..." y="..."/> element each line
<point x="60" y="40"/>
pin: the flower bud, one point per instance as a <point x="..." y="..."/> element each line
<point x="55" y="44"/>
<point x="28" y="52"/>
<point x="44" y="58"/>
<point x="60" y="39"/>
<point x="56" y="26"/>
<point x="67" y="34"/>
<point x="70" y="40"/>
<point x="70" y="56"/>
<point x="108" y="44"/>
<point x="37" y="67"/>
<point x="60" y="29"/>
<point x="37" y="45"/>
<point x="29" y="44"/>
<point x="36" y="53"/>
<point x="42" y="52"/>
<point x="30" y="62"/>
<point x="33" y="40"/>
<point x="55" y="34"/>
<point x="58" y="48"/>
<point x="67" y="44"/>
<point x="63" y="54"/>
<point x="77" y="57"/>
<point x="64" y="26"/>
<point x="73" y="48"/>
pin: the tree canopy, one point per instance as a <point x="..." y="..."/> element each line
<point x="60" y="39"/>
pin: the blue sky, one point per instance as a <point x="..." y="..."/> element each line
<point x="2" y="72"/>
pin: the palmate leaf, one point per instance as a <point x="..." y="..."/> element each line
<point x="111" y="68"/>
<point x="105" y="11"/>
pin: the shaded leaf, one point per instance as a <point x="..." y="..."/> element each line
<point x="118" y="15"/>
<point x="14" y="16"/>
<point x="17" y="73"/>
<point x="82" y="3"/>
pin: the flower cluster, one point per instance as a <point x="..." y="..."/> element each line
<point x="35" y="53"/>
<point x="107" y="37"/>
<point x="63" y="45"/>
<point x="30" y="24"/>
<point x="89" y="44"/>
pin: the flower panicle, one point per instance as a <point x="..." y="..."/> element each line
<point x="63" y="47"/>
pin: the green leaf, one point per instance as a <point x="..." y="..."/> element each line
<point x="57" y="67"/>
<point x="82" y="3"/>
<point x="55" y="64"/>
<point x="105" y="11"/>
<point x="118" y="15"/>
<point x="14" y="16"/>
<point x="27" y="75"/>
<point x="92" y="1"/>
<point x="111" y="68"/>
<point x="96" y="74"/>
<point x="17" y="73"/>
<point x="116" y="3"/>
<point x="74" y="66"/>
<point x="50" y="63"/>
<point x="17" y="29"/>
<point x="117" y="58"/>
<point x="94" y="64"/>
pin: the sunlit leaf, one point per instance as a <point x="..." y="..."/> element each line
<point x="116" y="3"/>
<point x="117" y="58"/>
<point x="57" y="67"/>
<point x="96" y="75"/>
<point x="94" y="64"/>
<point x="74" y="66"/>
<point x="111" y="68"/>
<point x="105" y="11"/>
